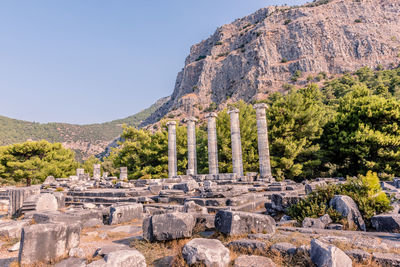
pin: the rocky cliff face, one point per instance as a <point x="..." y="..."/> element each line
<point x="257" y="54"/>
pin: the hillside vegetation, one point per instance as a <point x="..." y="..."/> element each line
<point x="348" y="126"/>
<point x="86" y="140"/>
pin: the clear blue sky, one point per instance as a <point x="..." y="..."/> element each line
<point x="87" y="61"/>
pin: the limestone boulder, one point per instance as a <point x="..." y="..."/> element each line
<point x="127" y="257"/>
<point x="168" y="226"/>
<point x="318" y="223"/>
<point x="324" y="255"/>
<point x="44" y="243"/>
<point x="281" y="202"/>
<point x="208" y="252"/>
<point x="238" y="222"/>
<point x="46" y="202"/>
<point x="125" y="213"/>
<point x="348" y="208"/>
<point x="284" y="248"/>
<point x="386" y="223"/>
<point x="253" y="261"/>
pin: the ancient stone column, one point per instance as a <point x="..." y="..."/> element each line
<point x="212" y="143"/>
<point x="96" y="171"/>
<point x="236" y="142"/>
<point x="263" y="147"/>
<point x="123" y="173"/>
<point x="172" y="166"/>
<point x="191" y="143"/>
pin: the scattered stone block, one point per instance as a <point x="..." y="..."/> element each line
<point x="348" y="208"/>
<point x="12" y="229"/>
<point x="386" y="259"/>
<point x="127" y="257"/>
<point x="284" y="248"/>
<point x="248" y="246"/>
<point x="386" y="222"/>
<point x="168" y="226"/>
<point x="324" y="255"/>
<point x="44" y="243"/>
<point x="317" y="223"/>
<point x="281" y="203"/>
<point x="210" y="252"/>
<point x="253" y="261"/>
<point x="237" y="223"/>
<point x="187" y="186"/>
<point x="190" y="206"/>
<point x="125" y="213"/>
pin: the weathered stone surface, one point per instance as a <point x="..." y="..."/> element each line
<point x="47" y="242"/>
<point x="281" y="203"/>
<point x="324" y="255"/>
<point x="104" y="250"/>
<point x="237" y="222"/>
<point x="87" y="218"/>
<point x="210" y="252"/>
<point x="71" y="262"/>
<point x="253" y="261"/>
<point x="76" y="252"/>
<point x="168" y="226"/>
<point x="125" y="213"/>
<point x="310" y="187"/>
<point x="386" y="259"/>
<point x="190" y="206"/>
<point x="248" y="245"/>
<point x="334" y="226"/>
<point x="386" y="222"/>
<point x="12" y="229"/>
<point x="284" y="248"/>
<point x="348" y="208"/>
<point x="187" y="186"/>
<point x="46" y="202"/>
<point x="319" y="223"/>
<point x="125" y="258"/>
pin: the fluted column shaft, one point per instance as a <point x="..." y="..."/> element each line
<point x="236" y="143"/>
<point x="191" y="143"/>
<point x="263" y="146"/>
<point x="212" y="143"/>
<point x="172" y="166"/>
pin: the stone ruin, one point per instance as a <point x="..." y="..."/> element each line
<point x="52" y="222"/>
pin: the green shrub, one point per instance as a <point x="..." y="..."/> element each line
<point x="218" y="43"/>
<point x="297" y="74"/>
<point x="284" y="60"/>
<point x="357" y="20"/>
<point x="200" y="58"/>
<point x="364" y="190"/>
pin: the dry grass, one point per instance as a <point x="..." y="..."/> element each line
<point x="14" y="264"/>
<point x="157" y="250"/>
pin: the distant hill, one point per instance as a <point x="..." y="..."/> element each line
<point x="86" y="140"/>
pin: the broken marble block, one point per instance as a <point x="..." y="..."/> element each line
<point x="253" y="261"/>
<point x="206" y="252"/>
<point x="45" y="243"/>
<point x="386" y="222"/>
<point x="125" y="213"/>
<point x="324" y="255"/>
<point x="348" y="208"/>
<point x="238" y="222"/>
<point x="168" y="226"/>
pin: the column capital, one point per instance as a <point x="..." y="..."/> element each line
<point x="171" y="123"/>
<point x="190" y="119"/>
<point x="211" y="115"/>
<point x="233" y="110"/>
<point x="260" y="106"/>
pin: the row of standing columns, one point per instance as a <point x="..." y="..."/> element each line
<point x="237" y="161"/>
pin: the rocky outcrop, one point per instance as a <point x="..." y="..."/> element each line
<point x="257" y="54"/>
